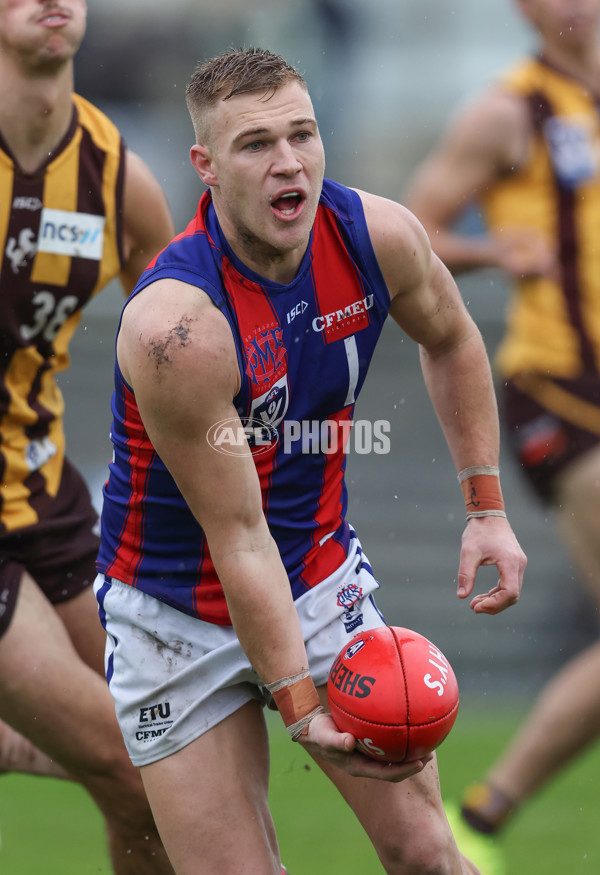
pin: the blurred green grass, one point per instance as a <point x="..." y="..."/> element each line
<point x="51" y="827"/>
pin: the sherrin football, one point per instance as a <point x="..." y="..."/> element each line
<point x="395" y="692"/>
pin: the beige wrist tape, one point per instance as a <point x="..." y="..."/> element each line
<point x="481" y="490"/>
<point x="297" y="701"/>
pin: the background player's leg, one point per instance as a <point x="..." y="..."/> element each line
<point x="51" y="696"/>
<point x="569" y="702"/>
<point x="18" y="754"/>
<point x="210" y="799"/>
<point x="406" y="822"/>
<point x="80" y="617"/>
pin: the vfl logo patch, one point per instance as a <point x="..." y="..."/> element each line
<point x="270" y="408"/>
<point x="80" y="235"/>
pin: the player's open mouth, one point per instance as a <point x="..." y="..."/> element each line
<point x="288" y="204"/>
<point x="54" y="18"/>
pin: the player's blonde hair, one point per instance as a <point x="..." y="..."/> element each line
<point x="236" y="71"/>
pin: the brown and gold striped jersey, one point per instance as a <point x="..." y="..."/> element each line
<point x="61" y="229"/>
<point x="554" y="326"/>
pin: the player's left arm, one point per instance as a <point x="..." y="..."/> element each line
<point x="147" y="222"/>
<point x="427" y="305"/>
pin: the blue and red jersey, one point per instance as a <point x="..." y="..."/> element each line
<point x="303" y="351"/>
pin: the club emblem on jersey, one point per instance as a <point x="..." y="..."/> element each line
<point x="266" y="356"/>
<point x="19" y="251"/>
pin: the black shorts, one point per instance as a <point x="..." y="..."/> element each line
<point x="59" y="551"/>
<point x="549" y="423"/>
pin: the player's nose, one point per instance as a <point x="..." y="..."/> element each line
<point x="285" y="159"/>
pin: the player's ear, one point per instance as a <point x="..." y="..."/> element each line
<point x="203" y="165"/>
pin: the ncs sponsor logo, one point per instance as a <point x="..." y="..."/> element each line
<point x="79" y="235"/>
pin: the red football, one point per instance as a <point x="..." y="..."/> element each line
<point x="395" y="692"/>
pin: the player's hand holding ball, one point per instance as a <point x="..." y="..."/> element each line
<point x="395" y="692"/>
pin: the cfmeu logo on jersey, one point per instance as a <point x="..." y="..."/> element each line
<point x="80" y="235"/>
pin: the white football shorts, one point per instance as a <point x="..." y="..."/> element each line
<point x="173" y="677"/>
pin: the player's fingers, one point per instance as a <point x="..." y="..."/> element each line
<point x="323" y="732"/>
<point x="494" y="601"/>
<point x="324" y="741"/>
<point x="467" y="571"/>
<point x="508" y="590"/>
<point x="360" y="766"/>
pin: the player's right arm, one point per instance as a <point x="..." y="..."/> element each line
<point x="488" y="140"/>
<point x="176" y="351"/>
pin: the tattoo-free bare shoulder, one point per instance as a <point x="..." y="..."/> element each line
<point x="399" y="240"/>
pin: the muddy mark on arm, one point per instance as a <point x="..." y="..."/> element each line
<point x="177" y="336"/>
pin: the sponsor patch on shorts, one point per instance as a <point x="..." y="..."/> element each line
<point x="153" y="721"/>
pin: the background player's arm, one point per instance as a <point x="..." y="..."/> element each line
<point x="487" y="141"/>
<point x="427" y="304"/>
<point x="147" y="223"/>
